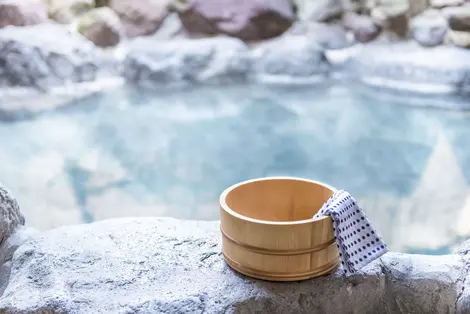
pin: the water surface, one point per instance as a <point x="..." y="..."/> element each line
<point x="134" y="152"/>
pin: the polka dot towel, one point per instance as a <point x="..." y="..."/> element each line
<point x="357" y="241"/>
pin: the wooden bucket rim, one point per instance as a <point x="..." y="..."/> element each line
<point x="227" y="209"/>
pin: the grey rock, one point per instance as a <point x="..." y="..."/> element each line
<point x="171" y="28"/>
<point x="155" y="265"/>
<point x="463" y="300"/>
<point x="102" y="26"/>
<point x="32" y="56"/>
<point x="288" y="58"/>
<point x="324" y="10"/>
<point x="459" y="18"/>
<point x="429" y="29"/>
<point x="20" y="235"/>
<point x="12" y="233"/>
<point x="464" y="248"/>
<point x="182" y="61"/>
<point x="459" y="38"/>
<point x="11" y="216"/>
<point x="5" y="271"/>
<point x="394" y="20"/>
<point x="8" y="248"/>
<point x="417" y="6"/>
<point x="362" y="26"/>
<point x="140" y="17"/>
<point x="446" y="3"/>
<point x="21" y="13"/>
<point x="326" y="35"/>
<point x="406" y="65"/>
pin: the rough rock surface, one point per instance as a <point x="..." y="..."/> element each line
<point x="140" y="17"/>
<point x="152" y="265"/>
<point x="325" y="10"/>
<point x="20" y="235"/>
<point x="10" y="215"/>
<point x="406" y="65"/>
<point x="459" y="18"/>
<point x="362" y="26"/>
<point x="463" y="302"/>
<point x="327" y="36"/>
<point x="171" y="28"/>
<point x="185" y="60"/>
<point x="102" y="26"/>
<point x="429" y="29"/>
<point x="446" y="3"/>
<point x="65" y="11"/>
<point x="459" y="38"/>
<point x="459" y="25"/>
<point x="288" y="58"/>
<point x="12" y="233"/>
<point x="393" y="20"/>
<point x="21" y="13"/>
<point x="32" y="56"/>
<point x="417" y="6"/>
<point x="247" y="20"/>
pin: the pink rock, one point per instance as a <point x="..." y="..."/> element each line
<point x="245" y="19"/>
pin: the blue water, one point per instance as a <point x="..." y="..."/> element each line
<point x="135" y="152"/>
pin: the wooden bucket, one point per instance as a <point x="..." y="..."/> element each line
<point x="268" y="231"/>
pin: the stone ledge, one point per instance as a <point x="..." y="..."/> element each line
<point x="293" y="58"/>
<point x="408" y="66"/>
<point x="160" y="265"/>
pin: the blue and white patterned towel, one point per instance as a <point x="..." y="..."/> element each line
<point x="357" y="241"/>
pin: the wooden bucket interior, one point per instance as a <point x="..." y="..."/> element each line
<point x="278" y="199"/>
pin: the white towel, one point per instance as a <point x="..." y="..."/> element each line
<point x="357" y="241"/>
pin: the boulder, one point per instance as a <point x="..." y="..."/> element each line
<point x="417" y="6"/>
<point x="328" y="36"/>
<point x="406" y="65"/>
<point x="459" y="25"/>
<point x="459" y="18"/>
<point x="463" y="302"/>
<point x="411" y="7"/>
<point x="152" y="265"/>
<point x="247" y="20"/>
<point x="362" y="26"/>
<point x="182" y="61"/>
<point x="102" y="26"/>
<point x="429" y="29"/>
<point x="11" y="216"/>
<point x="48" y="55"/>
<point x="393" y="20"/>
<point x="140" y="17"/>
<point x="438" y="4"/>
<point x="65" y="11"/>
<point x="20" y="235"/>
<point x="459" y="38"/>
<point x="21" y="13"/>
<point x="287" y="59"/>
<point x="170" y="28"/>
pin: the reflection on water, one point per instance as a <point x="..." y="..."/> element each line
<point x="131" y="152"/>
